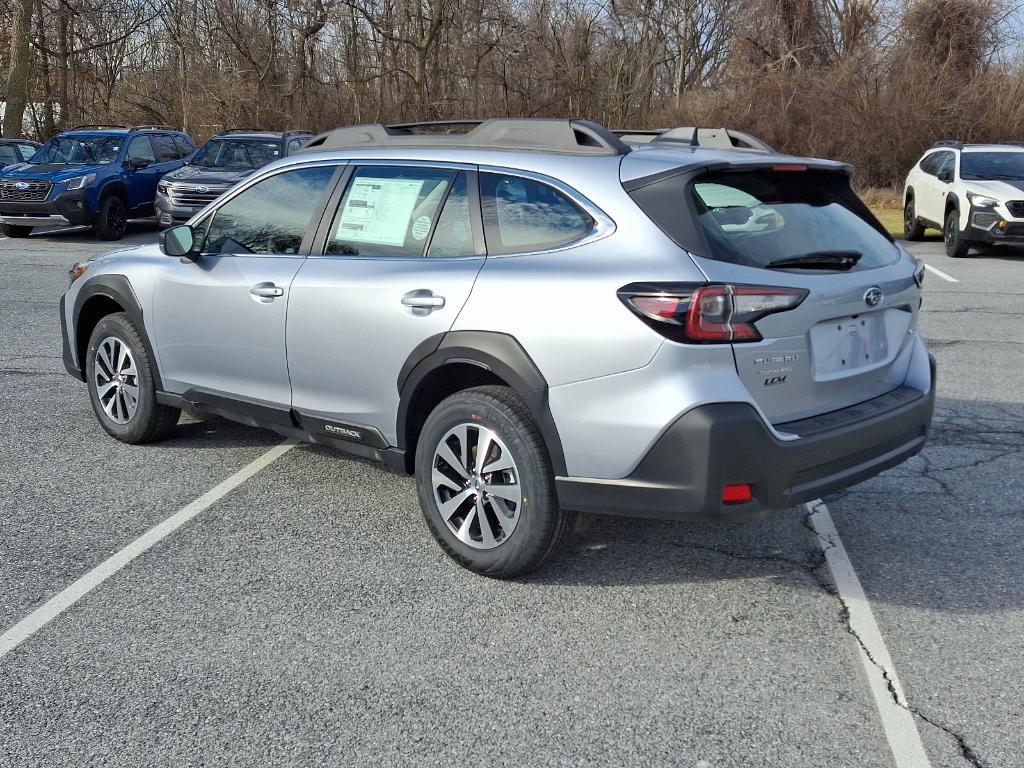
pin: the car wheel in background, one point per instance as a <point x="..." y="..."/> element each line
<point x="121" y="383"/>
<point x="13" y="230"/>
<point x="112" y="219"/>
<point x="956" y="246"/>
<point x="912" y="228"/>
<point x="486" y="486"/>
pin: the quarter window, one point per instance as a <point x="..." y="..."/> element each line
<point x="521" y="215"/>
<point x="270" y="217"/>
<point x="388" y="211"/>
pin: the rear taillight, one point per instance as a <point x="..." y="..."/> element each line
<point x="707" y="314"/>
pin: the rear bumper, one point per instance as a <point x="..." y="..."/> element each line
<point x="65" y="209"/>
<point x="711" y="446"/>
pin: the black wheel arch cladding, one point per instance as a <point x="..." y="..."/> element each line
<point x="118" y="289"/>
<point x="497" y="353"/>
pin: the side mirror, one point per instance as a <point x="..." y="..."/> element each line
<point x="179" y="241"/>
<point x="137" y="163"/>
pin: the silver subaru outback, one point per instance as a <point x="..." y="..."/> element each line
<point x="536" y="318"/>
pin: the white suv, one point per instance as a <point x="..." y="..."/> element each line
<point x="974" y="193"/>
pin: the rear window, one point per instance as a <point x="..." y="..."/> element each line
<point x="756" y="218"/>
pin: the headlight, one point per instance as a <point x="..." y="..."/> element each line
<point x="982" y="201"/>
<point x="161" y="188"/>
<point x="80" y="181"/>
<point x="77" y="270"/>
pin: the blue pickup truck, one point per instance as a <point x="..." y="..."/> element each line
<point x="95" y="175"/>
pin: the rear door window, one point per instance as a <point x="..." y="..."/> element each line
<point x="165" y="150"/>
<point x="388" y="211"/>
<point x="140" y="148"/>
<point x="184" y="146"/>
<point x="453" y="234"/>
<point x="522" y="215"/>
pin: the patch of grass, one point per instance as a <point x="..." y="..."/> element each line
<point x="887" y="205"/>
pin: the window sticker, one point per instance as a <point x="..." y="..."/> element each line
<point x="421" y="227"/>
<point x="379" y="211"/>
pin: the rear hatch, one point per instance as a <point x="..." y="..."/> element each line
<point x="800" y="227"/>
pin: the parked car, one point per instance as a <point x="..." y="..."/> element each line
<point x="535" y="318"/>
<point x="222" y="162"/>
<point x="973" y="193"/>
<point x="95" y="175"/>
<point x="16" y="151"/>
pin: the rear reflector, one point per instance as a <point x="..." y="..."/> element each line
<point x="736" y="493"/>
<point x="789" y="167"/>
<point x="707" y="314"/>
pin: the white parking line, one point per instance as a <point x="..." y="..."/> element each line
<point x="60" y="602"/>
<point x="897" y="721"/>
<point x="940" y="273"/>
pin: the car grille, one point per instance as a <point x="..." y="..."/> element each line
<point x="186" y="195"/>
<point x="1016" y="208"/>
<point x="33" y="191"/>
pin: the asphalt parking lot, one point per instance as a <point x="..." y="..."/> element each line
<point x="307" y="618"/>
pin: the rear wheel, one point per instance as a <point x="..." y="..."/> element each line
<point x="912" y="228"/>
<point x="485" y="484"/>
<point x="14" y="230"/>
<point x="121" y="383"/>
<point x="956" y="246"/>
<point x="112" y="219"/>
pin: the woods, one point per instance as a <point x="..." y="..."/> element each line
<point x="868" y="81"/>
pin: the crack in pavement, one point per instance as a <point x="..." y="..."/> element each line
<point x="813" y="566"/>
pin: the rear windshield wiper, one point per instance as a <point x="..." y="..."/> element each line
<point x="838" y="260"/>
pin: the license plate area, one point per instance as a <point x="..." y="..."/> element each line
<point x="849" y="345"/>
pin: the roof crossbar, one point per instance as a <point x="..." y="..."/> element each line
<point x="578" y="137"/>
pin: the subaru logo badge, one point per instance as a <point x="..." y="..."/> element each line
<point x="873" y="296"/>
<point x="22" y="185"/>
<point x="202" y="190"/>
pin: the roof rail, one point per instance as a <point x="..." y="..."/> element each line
<point x="97" y="127"/>
<point x="711" y="138"/>
<point x="579" y="137"/>
<point x="242" y="130"/>
<point x="152" y="127"/>
<point x="954" y="143"/>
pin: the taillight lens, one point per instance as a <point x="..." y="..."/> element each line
<point x="708" y="314"/>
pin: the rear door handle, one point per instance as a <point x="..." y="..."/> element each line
<point x="422" y="299"/>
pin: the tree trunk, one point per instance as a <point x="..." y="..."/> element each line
<point x="17" y="74"/>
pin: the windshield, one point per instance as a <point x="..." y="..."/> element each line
<point x="977" y="166"/>
<point x="78" y="150"/>
<point x="237" y="154"/>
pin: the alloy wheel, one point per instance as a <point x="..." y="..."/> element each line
<point x="116" y="380"/>
<point x="476" y="486"/>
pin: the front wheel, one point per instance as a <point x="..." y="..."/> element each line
<point x="121" y="383"/>
<point x="112" y="219"/>
<point x="14" y="230"/>
<point x="486" y="486"/>
<point x="912" y="229"/>
<point x="956" y="245"/>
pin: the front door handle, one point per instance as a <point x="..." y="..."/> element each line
<point x="265" y="293"/>
<point x="423" y="300"/>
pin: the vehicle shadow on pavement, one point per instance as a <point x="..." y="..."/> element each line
<point x="136" y="229"/>
<point x="941" y="531"/>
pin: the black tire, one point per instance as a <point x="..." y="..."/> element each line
<point x="912" y="228"/>
<point x="151" y="421"/>
<point x="14" y="230"/>
<point x="956" y="246"/>
<point x="541" y="525"/>
<point x="112" y="219"/>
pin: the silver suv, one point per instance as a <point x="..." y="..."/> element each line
<point x="536" y="318"/>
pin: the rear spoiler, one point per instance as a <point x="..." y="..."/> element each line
<point x="782" y="163"/>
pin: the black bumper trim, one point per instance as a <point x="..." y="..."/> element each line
<point x="683" y="474"/>
<point x="71" y="205"/>
<point x="65" y="342"/>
